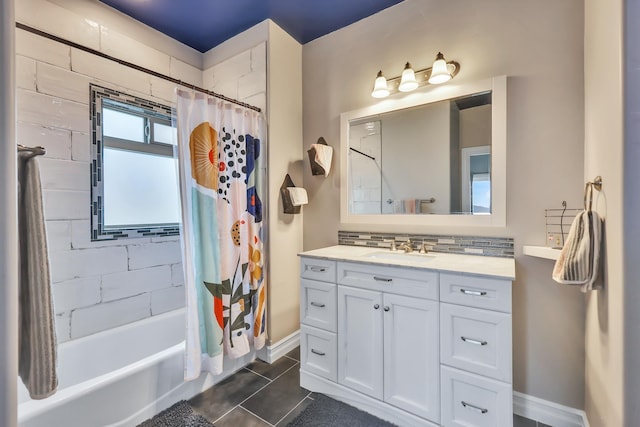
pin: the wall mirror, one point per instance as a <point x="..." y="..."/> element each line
<point x="436" y="157"/>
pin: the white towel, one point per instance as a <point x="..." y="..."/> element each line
<point x="324" y="153"/>
<point x="579" y="258"/>
<point x="298" y="196"/>
<point x="37" y="347"/>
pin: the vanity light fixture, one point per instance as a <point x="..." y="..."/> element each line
<point x="441" y="72"/>
<point x="408" y="80"/>
<point x="380" y="89"/>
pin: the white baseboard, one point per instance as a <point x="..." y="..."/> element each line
<point x="273" y="352"/>
<point x="547" y="412"/>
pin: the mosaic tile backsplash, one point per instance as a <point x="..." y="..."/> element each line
<point x="468" y="245"/>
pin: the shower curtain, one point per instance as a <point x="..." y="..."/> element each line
<point x="221" y="182"/>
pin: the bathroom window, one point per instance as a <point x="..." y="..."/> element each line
<point x="134" y="179"/>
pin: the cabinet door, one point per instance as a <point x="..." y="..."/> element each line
<point x="360" y="340"/>
<point x="411" y="355"/>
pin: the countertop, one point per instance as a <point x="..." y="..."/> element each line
<point x="502" y="268"/>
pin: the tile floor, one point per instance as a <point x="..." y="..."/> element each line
<point x="263" y="395"/>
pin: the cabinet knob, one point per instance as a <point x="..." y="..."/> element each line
<point x="386" y="308"/>
<point x="377" y="306"/>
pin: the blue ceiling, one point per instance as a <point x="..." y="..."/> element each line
<point x="203" y="24"/>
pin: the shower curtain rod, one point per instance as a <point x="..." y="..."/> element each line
<point x="131" y="65"/>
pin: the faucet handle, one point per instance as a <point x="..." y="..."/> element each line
<point x="426" y="247"/>
<point x="393" y="246"/>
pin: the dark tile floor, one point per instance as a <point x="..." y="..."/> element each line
<point x="263" y="395"/>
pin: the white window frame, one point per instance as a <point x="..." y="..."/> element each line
<point x="465" y="173"/>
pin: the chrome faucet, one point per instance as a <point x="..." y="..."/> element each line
<point x="426" y="247"/>
<point x="407" y="247"/>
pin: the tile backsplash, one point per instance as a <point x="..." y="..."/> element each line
<point x="468" y="245"/>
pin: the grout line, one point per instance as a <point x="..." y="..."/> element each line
<point x="258" y="374"/>
<point x="258" y="417"/>
<point x="255" y="392"/>
<point x="266" y="385"/>
<point x="289" y="357"/>
<point x="294" y="408"/>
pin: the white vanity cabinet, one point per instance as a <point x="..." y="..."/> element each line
<point x="415" y="346"/>
<point x="388" y="343"/>
<point x="475" y="351"/>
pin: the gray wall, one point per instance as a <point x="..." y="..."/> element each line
<point x="526" y="41"/>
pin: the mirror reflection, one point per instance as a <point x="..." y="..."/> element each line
<point x="430" y="159"/>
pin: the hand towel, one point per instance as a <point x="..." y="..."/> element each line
<point x="398" y="206"/>
<point x="298" y="196"/>
<point x="410" y="206"/>
<point x="324" y="154"/>
<point x="37" y="337"/>
<point x="579" y="257"/>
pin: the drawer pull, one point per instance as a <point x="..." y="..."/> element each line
<point x="382" y="279"/>
<point x="477" y="408"/>
<point x="319" y="353"/>
<point x="474" y="293"/>
<point x="472" y="341"/>
<point x="317" y="304"/>
<point x="317" y="269"/>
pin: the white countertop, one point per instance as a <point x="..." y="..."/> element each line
<point x="503" y="268"/>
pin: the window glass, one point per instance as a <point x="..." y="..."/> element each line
<point x="139" y="189"/>
<point x="122" y="125"/>
<point x="165" y="134"/>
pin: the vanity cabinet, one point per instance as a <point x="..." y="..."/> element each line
<point x="415" y="346"/>
<point x="475" y="351"/>
<point x="388" y="340"/>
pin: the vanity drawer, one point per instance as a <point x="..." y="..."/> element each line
<point x="403" y="281"/>
<point x="471" y="400"/>
<point x="318" y="269"/>
<point x="476" y="340"/>
<point x="473" y="291"/>
<point x="318" y="304"/>
<point x="318" y="353"/>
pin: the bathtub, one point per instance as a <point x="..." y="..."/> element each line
<point x="119" y="377"/>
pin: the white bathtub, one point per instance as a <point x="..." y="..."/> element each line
<point x="117" y="378"/>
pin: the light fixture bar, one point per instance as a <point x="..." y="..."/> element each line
<point x="422" y="77"/>
<point x="410" y="80"/>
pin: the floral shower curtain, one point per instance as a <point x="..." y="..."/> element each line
<point x="221" y="178"/>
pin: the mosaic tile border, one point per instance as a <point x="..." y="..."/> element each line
<point x="468" y="245"/>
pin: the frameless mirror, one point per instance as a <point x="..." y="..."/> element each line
<point x="434" y="158"/>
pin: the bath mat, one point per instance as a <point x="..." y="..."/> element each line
<point x="179" y="415"/>
<point x="327" y="412"/>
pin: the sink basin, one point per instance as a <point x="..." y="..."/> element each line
<point x="400" y="256"/>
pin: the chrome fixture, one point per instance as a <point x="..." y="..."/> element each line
<point x="393" y="246"/>
<point x="426" y="247"/>
<point x="407" y="247"/>
<point x="440" y="72"/>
